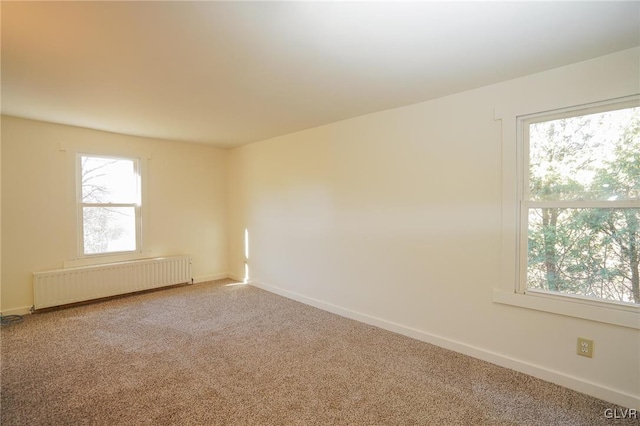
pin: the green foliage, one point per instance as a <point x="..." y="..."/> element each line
<point x="586" y="251"/>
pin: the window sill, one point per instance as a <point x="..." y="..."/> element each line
<point x="610" y="313"/>
<point x="103" y="259"/>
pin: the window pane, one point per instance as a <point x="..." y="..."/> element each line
<point x="108" y="180"/>
<point x="109" y="229"/>
<point x="587" y="252"/>
<point x="588" y="157"/>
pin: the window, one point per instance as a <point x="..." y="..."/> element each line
<point x="109" y="198"/>
<point x="580" y="202"/>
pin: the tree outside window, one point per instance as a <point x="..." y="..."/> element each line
<point x="581" y="203"/>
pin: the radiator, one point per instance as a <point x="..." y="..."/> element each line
<point x="64" y="286"/>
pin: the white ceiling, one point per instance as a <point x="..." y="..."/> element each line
<point x="230" y="73"/>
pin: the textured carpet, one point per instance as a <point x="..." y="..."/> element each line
<point x="216" y="353"/>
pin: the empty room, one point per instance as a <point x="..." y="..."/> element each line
<point x="371" y="213"/>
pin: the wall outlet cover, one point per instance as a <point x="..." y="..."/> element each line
<point x="585" y="347"/>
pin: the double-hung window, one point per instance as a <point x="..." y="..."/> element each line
<point x="108" y="200"/>
<point x="580" y="202"/>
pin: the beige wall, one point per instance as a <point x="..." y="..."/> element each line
<point x="395" y="218"/>
<point x="0" y="214"/>
<point x="186" y="201"/>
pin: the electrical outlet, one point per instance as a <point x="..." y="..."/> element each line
<point x="585" y="347"/>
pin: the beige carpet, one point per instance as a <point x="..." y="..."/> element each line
<point x="233" y="354"/>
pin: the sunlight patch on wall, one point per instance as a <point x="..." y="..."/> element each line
<point x="246" y="255"/>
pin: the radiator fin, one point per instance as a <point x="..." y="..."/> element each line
<point x="64" y="286"/>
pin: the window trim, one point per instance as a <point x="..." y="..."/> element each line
<point x="507" y="291"/>
<point x="70" y="149"/>
<point x="572" y="306"/>
<point x="137" y="205"/>
<point x="524" y="201"/>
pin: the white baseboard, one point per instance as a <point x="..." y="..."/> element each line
<point x="235" y="277"/>
<point x="17" y="311"/>
<point x="205" y="278"/>
<point x="553" y="376"/>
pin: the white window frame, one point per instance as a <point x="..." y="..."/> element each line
<point x="80" y="205"/>
<point x="513" y="289"/>
<point x="525" y="203"/>
<point x="71" y="149"/>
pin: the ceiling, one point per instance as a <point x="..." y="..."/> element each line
<point x="230" y="73"/>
